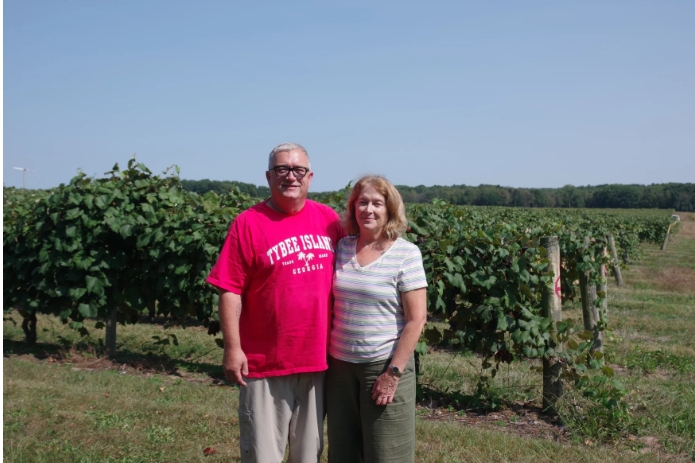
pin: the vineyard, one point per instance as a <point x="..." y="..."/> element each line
<point x="134" y="245"/>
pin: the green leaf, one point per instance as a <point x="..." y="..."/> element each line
<point x="77" y="293"/>
<point x="76" y="325"/>
<point x="73" y="213"/>
<point x="502" y="324"/>
<point x="87" y="311"/>
<point x="89" y="201"/>
<point x="143" y="240"/>
<point x="433" y="335"/>
<point x="618" y="385"/>
<point x="94" y="285"/>
<point x="126" y="230"/>
<point x="455" y="280"/>
<point x="182" y="269"/>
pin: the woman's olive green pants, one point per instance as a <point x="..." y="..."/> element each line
<point x="359" y="430"/>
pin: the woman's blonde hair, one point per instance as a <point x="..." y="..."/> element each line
<point x="397" y="222"/>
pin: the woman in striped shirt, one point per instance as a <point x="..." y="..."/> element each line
<point x="380" y="308"/>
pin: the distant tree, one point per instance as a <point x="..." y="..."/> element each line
<point x="492" y="196"/>
<point x="617" y="196"/>
<point x="685" y="202"/>
<point x="223" y="187"/>
<point x="521" y="197"/>
<point x="569" y="196"/>
<point x="542" y="199"/>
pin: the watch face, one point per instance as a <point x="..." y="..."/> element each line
<point x="395" y="371"/>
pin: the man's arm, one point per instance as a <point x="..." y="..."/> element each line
<point x="234" y="363"/>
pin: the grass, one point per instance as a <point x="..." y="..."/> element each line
<point x="63" y="402"/>
<point x="452" y="443"/>
<point x="55" y="414"/>
<point x="654" y="315"/>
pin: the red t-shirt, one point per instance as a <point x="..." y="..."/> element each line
<point x="282" y="266"/>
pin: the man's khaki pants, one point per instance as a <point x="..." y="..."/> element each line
<point x="281" y="408"/>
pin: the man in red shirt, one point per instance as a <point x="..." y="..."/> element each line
<point x="274" y="277"/>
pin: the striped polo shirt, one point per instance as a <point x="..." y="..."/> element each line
<point x="367" y="311"/>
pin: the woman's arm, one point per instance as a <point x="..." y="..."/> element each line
<point x="415" y="313"/>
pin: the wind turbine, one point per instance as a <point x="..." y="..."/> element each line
<point x="25" y="174"/>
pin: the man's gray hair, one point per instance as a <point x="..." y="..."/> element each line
<point x="286" y="147"/>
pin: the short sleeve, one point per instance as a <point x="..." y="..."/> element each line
<point x="411" y="274"/>
<point x="232" y="269"/>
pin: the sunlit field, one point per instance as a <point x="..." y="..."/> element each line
<point x="160" y="402"/>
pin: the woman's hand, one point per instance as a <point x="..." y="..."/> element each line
<point x="384" y="388"/>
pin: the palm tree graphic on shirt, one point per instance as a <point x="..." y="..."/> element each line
<point x="305" y="257"/>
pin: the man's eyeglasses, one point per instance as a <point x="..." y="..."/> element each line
<point x="298" y="171"/>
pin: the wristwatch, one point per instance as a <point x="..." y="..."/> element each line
<point x="395" y="371"/>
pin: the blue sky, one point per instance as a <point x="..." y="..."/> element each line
<point x="523" y="94"/>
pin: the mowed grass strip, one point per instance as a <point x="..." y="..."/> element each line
<point x="653" y="317"/>
<point x="55" y="414"/>
<point x="452" y="443"/>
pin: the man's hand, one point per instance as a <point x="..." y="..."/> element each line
<point x="235" y="366"/>
<point x="384" y="388"/>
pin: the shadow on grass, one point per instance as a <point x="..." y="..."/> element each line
<point x="94" y="355"/>
<point x="437" y="405"/>
<point x="432" y="397"/>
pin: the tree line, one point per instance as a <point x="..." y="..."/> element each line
<point x="678" y="196"/>
<point x="223" y="187"/>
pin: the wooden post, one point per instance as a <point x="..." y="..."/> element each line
<point x="589" y="310"/>
<point x="111" y="333"/>
<point x="603" y="307"/>
<point x="552" y="309"/>
<point x="29" y="327"/>
<point x="616" y="266"/>
<point x="663" y="246"/>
